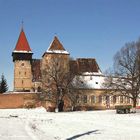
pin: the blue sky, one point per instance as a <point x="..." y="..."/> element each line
<point x="86" y="28"/>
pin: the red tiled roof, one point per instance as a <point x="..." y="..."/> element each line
<point x="56" y="45"/>
<point x="22" y="43"/>
<point x="81" y="65"/>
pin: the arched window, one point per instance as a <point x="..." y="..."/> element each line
<point x="121" y="99"/>
<point x="93" y="99"/>
<point x="77" y="98"/>
<point x="85" y="98"/>
<point x="128" y="100"/>
<point x="100" y="98"/>
<point x="114" y="99"/>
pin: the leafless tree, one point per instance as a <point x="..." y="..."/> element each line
<point x="57" y="80"/>
<point x="125" y="78"/>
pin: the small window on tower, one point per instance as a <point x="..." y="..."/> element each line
<point x="22" y="64"/>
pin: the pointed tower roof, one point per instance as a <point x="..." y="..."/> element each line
<point x="22" y="45"/>
<point x="56" y="47"/>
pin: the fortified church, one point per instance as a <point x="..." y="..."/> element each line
<point x="28" y="75"/>
<point x="27" y="70"/>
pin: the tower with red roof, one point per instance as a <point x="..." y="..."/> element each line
<point x="22" y="57"/>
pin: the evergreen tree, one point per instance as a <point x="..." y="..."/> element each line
<point x="3" y="84"/>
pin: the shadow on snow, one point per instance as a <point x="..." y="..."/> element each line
<point x="80" y="135"/>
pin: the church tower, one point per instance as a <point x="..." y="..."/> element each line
<point x="54" y="60"/>
<point x="56" y="51"/>
<point x="22" y="57"/>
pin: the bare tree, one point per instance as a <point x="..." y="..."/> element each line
<point x="125" y="78"/>
<point x="57" y="80"/>
<point x="74" y="89"/>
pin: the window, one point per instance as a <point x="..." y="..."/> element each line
<point x="114" y="99"/>
<point x="85" y="98"/>
<point x="25" y="73"/>
<point x="107" y="99"/>
<point x="100" y="99"/>
<point x="121" y="99"/>
<point x="39" y="89"/>
<point x="93" y="99"/>
<point x="22" y="64"/>
<point x="128" y="100"/>
<point x="90" y="77"/>
<point x="77" y="99"/>
<point x="96" y="82"/>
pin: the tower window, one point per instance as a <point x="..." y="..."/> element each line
<point x="22" y="64"/>
<point x="96" y="82"/>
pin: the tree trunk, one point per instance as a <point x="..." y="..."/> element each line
<point x="57" y="100"/>
<point x="134" y="103"/>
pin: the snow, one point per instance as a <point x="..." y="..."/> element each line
<point x="37" y="124"/>
<point x="57" y="51"/>
<point x="93" y="73"/>
<point x="15" y="51"/>
<point x="16" y="92"/>
<point x="93" y="81"/>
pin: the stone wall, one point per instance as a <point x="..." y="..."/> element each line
<point x="87" y="100"/>
<point x="20" y="100"/>
<point x="24" y="100"/>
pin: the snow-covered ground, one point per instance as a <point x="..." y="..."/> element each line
<point x="37" y="124"/>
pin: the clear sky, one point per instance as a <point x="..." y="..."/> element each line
<point x="86" y="28"/>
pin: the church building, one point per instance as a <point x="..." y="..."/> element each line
<point x="28" y="73"/>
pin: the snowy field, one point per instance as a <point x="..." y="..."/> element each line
<point x="37" y="124"/>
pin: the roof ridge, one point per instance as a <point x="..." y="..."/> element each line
<point x="56" y="47"/>
<point x="56" y="44"/>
